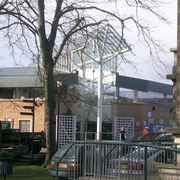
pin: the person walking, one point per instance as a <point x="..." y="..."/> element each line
<point x="163" y="129"/>
<point x="145" y="131"/>
<point x="123" y="134"/>
<point x="159" y="132"/>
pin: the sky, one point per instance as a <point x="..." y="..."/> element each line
<point x="166" y="34"/>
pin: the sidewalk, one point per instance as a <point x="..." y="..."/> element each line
<point x="151" y="176"/>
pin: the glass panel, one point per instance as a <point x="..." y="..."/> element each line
<point x="105" y="42"/>
<point x="24" y="126"/>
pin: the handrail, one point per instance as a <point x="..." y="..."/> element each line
<point x="160" y="148"/>
<point x="117" y="143"/>
<point x="152" y="140"/>
<point x="147" y="145"/>
<point x="168" y="143"/>
<point x="155" y="135"/>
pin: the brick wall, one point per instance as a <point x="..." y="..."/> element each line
<point x="159" y="114"/>
<point x="11" y="108"/>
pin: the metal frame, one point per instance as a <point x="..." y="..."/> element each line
<point x="66" y="130"/>
<point x="103" y="44"/>
<point x="127" y="123"/>
<point x="101" y="50"/>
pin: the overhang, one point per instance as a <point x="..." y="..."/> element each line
<point x="143" y="85"/>
<point x="31" y="77"/>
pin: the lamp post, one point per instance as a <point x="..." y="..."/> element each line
<point x="178" y="69"/>
<point x="100" y="94"/>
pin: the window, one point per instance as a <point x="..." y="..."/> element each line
<point x="11" y="123"/>
<point x="24" y="125"/>
<point x="5" y="124"/>
<point x="6" y="93"/>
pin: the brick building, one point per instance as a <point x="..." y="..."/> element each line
<point x="143" y="114"/>
<point x="10" y="111"/>
<point x="18" y="83"/>
<point x="25" y="85"/>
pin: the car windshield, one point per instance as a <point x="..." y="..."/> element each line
<point x="62" y="150"/>
<point x="70" y="154"/>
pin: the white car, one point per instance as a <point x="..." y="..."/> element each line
<point x="133" y="162"/>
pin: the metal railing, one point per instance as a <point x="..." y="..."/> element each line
<point x="135" y="136"/>
<point x="115" y="160"/>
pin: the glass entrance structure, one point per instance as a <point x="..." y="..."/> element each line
<point x="103" y="44"/>
<point x="95" y="60"/>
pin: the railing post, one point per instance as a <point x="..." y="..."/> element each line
<point x="175" y="154"/>
<point x="145" y="163"/>
<point x="74" y="160"/>
<point x="100" y="156"/>
<point x="56" y="171"/>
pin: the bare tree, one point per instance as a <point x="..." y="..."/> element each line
<point x="45" y="28"/>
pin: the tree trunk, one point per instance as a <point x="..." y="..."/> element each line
<point x="50" y="105"/>
<point x="48" y="67"/>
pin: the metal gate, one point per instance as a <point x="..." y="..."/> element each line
<point x="65" y="129"/>
<point x="127" y="123"/>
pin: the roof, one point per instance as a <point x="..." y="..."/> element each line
<point x="143" y="85"/>
<point x="104" y="34"/>
<point x="20" y="77"/>
<point x="31" y="77"/>
<point x="19" y="71"/>
<point x="19" y="81"/>
<point x="104" y="43"/>
<point x="28" y="77"/>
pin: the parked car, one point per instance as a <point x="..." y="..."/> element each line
<point x="133" y="162"/>
<point x="71" y="165"/>
<point x="80" y="160"/>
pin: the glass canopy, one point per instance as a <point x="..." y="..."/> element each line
<point x="104" y="44"/>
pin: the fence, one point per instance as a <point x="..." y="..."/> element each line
<point x="114" y="160"/>
<point x="133" y="137"/>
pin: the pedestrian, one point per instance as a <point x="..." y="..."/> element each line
<point x="159" y="131"/>
<point x="146" y="131"/>
<point x="123" y="134"/>
<point x="124" y="147"/>
<point x="163" y="129"/>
